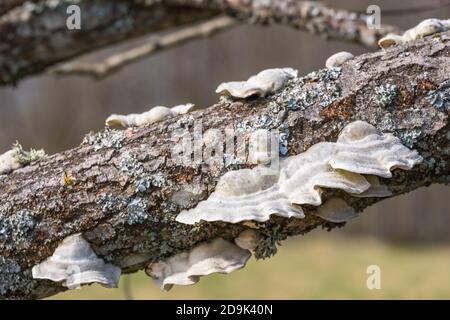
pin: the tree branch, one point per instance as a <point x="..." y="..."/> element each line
<point x="104" y="171"/>
<point x="310" y="16"/>
<point x="34" y="36"/>
<point x="117" y="61"/>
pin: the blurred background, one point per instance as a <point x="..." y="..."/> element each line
<point x="408" y="237"/>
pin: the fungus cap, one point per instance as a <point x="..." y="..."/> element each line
<point x="183" y="108"/>
<point x="265" y="82"/>
<point x="156" y="114"/>
<point x="75" y="263"/>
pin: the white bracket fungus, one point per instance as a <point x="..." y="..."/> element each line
<point x="351" y="164"/>
<point x="303" y="176"/>
<point x="184" y="108"/>
<point x="338" y="59"/>
<point x="362" y="149"/>
<point x="186" y="268"/>
<point x="247" y="194"/>
<point x="390" y="40"/>
<point x="156" y="114"/>
<point x="9" y="162"/>
<point x="425" y="28"/>
<point x="75" y="263"/>
<point x="376" y="189"/>
<point x="266" y="82"/>
<point x="248" y="239"/>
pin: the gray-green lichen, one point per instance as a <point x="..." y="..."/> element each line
<point x="409" y="137"/>
<point x="185" y="121"/>
<point x="273" y="107"/>
<point x="269" y="122"/>
<point x="26" y="157"/>
<point x="318" y="87"/>
<point x="385" y="94"/>
<point x="263" y="121"/>
<point x="137" y="211"/>
<point x="142" y="184"/>
<point x="440" y="98"/>
<point x="110" y="203"/>
<point x="130" y="164"/>
<point x="109" y="138"/>
<point x="167" y="241"/>
<point x="16" y="229"/>
<point x="11" y="277"/>
<point x="243" y="126"/>
<point x="158" y="179"/>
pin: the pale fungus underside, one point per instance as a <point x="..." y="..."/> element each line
<point x="186" y="268"/>
<point x="248" y="239"/>
<point x="156" y="114"/>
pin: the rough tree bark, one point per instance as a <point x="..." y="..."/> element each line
<point x="34" y="36"/>
<point x="99" y="196"/>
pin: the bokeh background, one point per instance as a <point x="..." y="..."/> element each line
<point x="408" y="237"/>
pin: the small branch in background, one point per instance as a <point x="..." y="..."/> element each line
<point x="6" y="5"/>
<point x="25" y="53"/>
<point x="115" y="62"/>
<point x="127" y="292"/>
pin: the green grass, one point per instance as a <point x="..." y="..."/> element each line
<point x="318" y="266"/>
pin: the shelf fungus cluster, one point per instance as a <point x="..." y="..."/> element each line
<point x="425" y="28"/>
<point x="265" y="82"/>
<point x="156" y="114"/>
<point x="74" y="263"/>
<point x="352" y="164"/>
<point x="186" y="268"/>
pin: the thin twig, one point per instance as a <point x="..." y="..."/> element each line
<point x="127" y="292"/>
<point x="115" y="62"/>
<point x="413" y="10"/>
<point x="417" y="113"/>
